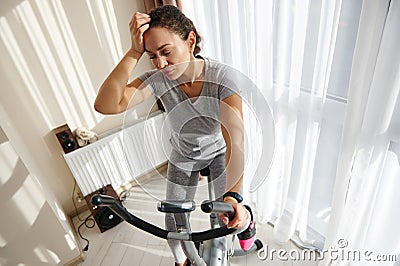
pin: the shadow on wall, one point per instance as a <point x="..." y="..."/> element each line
<point x="54" y="56"/>
<point x="61" y="51"/>
<point x="24" y="231"/>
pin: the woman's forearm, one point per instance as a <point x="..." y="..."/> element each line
<point x="233" y="133"/>
<point x="234" y="164"/>
<point x="112" y="95"/>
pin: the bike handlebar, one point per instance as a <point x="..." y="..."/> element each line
<point x="209" y="206"/>
<point x="121" y="211"/>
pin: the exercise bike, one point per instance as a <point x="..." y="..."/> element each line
<point x="206" y="248"/>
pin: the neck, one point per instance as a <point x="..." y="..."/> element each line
<point x="194" y="71"/>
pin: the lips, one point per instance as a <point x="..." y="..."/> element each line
<point x="168" y="71"/>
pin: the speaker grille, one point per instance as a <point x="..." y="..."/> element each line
<point x="66" y="138"/>
<point x="106" y="218"/>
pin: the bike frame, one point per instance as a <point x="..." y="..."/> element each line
<point x="213" y="243"/>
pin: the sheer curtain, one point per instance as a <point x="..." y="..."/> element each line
<point x="366" y="193"/>
<point x="301" y="55"/>
<point x="297" y="52"/>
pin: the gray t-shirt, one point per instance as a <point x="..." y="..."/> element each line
<point x="195" y="123"/>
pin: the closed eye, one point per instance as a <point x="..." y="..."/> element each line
<point x="165" y="52"/>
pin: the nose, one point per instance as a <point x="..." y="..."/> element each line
<point x="161" y="62"/>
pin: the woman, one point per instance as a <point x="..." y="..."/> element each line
<point x="203" y="104"/>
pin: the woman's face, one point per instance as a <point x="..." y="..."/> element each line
<point x="168" y="52"/>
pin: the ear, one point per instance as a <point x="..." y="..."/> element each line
<point x="191" y="41"/>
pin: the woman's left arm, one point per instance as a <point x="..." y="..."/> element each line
<point x="233" y="132"/>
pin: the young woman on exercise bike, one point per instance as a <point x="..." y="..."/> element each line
<point x="203" y="105"/>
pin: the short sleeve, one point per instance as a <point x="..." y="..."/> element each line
<point x="225" y="92"/>
<point x="156" y="82"/>
<point x="231" y="82"/>
<point x="148" y="81"/>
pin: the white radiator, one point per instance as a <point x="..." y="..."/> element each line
<point x="120" y="157"/>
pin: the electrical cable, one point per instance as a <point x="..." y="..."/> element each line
<point x="73" y="201"/>
<point x="85" y="222"/>
<point x="89" y="218"/>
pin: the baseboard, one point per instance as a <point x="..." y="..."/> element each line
<point x="133" y="183"/>
<point x="81" y="257"/>
<point x="76" y="261"/>
<point x="79" y="210"/>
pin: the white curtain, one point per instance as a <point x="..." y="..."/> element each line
<point x="366" y="194"/>
<point x="301" y="54"/>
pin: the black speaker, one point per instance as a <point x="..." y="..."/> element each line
<point x="104" y="216"/>
<point x="106" y="219"/>
<point x="66" y="138"/>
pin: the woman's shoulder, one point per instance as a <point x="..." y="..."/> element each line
<point x="218" y="69"/>
<point x="214" y="63"/>
<point x="214" y="66"/>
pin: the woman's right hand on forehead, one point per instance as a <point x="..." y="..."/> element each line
<point x="138" y="25"/>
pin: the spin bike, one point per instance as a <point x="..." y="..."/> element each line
<point x="206" y="248"/>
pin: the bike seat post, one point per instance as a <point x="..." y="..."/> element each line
<point x="189" y="248"/>
<point x="206" y="173"/>
<point x="182" y="222"/>
<point x="214" y="221"/>
<point x="181" y="211"/>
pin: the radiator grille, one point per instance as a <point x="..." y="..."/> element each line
<point x="120" y="157"/>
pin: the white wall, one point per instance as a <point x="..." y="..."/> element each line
<point x="54" y="56"/>
<point x="34" y="230"/>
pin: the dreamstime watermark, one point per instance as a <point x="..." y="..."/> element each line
<point x="340" y="252"/>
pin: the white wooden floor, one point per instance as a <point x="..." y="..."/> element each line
<point x="126" y="245"/>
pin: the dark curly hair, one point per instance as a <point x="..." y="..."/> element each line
<point x="171" y="18"/>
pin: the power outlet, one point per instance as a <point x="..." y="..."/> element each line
<point x="79" y="197"/>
